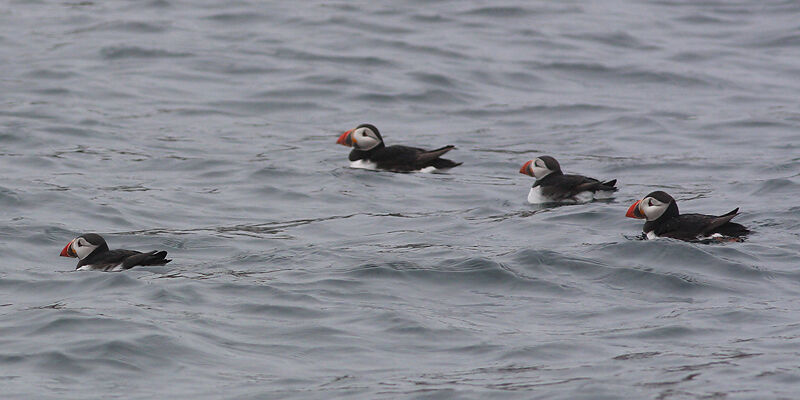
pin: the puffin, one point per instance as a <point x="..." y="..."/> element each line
<point x="93" y="255"/>
<point x="553" y="186"/>
<point x="660" y="211"/>
<point x="369" y="152"/>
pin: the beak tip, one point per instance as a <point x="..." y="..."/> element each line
<point x="345" y="139"/>
<point x="66" y="251"/>
<point x="526" y="168"/>
<point x="632" y="211"/>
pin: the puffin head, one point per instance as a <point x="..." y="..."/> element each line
<point x="82" y="246"/>
<point x="364" y="137"/>
<point x="540" y="167"/>
<point x="653" y="206"/>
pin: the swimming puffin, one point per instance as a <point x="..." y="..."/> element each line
<point x="369" y="152"/>
<point x="552" y="186"/>
<point x="663" y="220"/>
<point x="93" y="254"/>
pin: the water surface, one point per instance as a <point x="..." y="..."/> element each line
<point x="208" y="129"/>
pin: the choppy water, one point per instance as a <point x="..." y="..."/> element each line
<point x="208" y="129"/>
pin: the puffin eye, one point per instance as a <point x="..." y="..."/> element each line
<point x="649" y="202"/>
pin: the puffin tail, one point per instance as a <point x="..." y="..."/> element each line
<point x="443" y="163"/>
<point x="431" y="158"/>
<point x="609" y="185"/>
<point x="156" y="258"/>
<point x="732" y="212"/>
<point x="723" y="226"/>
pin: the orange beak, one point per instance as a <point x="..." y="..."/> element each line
<point x="633" y="211"/>
<point x="346" y="139"/>
<point x="526" y="168"/>
<point x="68" y="252"/>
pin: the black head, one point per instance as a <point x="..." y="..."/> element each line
<point x="551" y="163"/>
<point x="94" y="239"/>
<point x="372" y="128"/>
<point x="656" y="205"/>
<point x="365" y="137"/>
<point x="85" y="245"/>
<point x="661" y="196"/>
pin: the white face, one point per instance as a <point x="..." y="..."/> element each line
<point x="539" y="169"/>
<point x="651" y="208"/>
<point x="82" y="247"/>
<point x="364" y="138"/>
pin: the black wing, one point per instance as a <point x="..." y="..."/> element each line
<point x="150" y="258"/>
<point x="404" y="158"/>
<point x="567" y="186"/>
<point x="692" y="226"/>
<point x="109" y="260"/>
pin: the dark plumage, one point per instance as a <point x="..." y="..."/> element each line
<point x="93" y="254"/>
<point x="555" y="186"/>
<point x="665" y="220"/>
<point x="368" y="146"/>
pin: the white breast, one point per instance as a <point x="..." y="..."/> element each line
<point x="102" y="267"/>
<point x="535" y="196"/>
<point x="603" y="194"/>
<point x="584" y="197"/>
<point x="651" y="235"/>
<point x="713" y="236"/>
<point x="363" y="164"/>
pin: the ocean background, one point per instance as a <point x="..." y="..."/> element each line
<point x="208" y="129"/>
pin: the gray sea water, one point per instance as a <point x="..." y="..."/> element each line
<point x="208" y="129"/>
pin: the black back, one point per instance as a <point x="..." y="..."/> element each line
<point x="690" y="227"/>
<point x="402" y="158"/>
<point x="104" y="259"/>
<point x="558" y="186"/>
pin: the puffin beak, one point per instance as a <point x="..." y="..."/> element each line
<point x="634" y="212"/>
<point x="346" y="139"/>
<point x="68" y="252"/>
<point x="526" y="168"/>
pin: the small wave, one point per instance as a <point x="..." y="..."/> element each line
<point x="430" y="18"/>
<point x="120" y="52"/>
<point x="668" y="332"/>
<point x="777" y="185"/>
<point x="434" y="79"/>
<point x="366" y="26"/>
<point x="416" y="50"/>
<point x="570" y="110"/>
<point x="237" y="18"/>
<point x="266" y="106"/>
<point x="365" y="61"/>
<point x="703" y="19"/>
<point x="775" y="41"/>
<point x="8" y="197"/>
<point x="280" y="311"/>
<point x="473" y="272"/>
<point x="296" y="92"/>
<point x="50" y="74"/>
<point x="597" y="71"/>
<point x="429" y="96"/>
<point x="695" y="266"/>
<point x="124" y="26"/>
<point x="615" y="39"/>
<point x="499" y="12"/>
